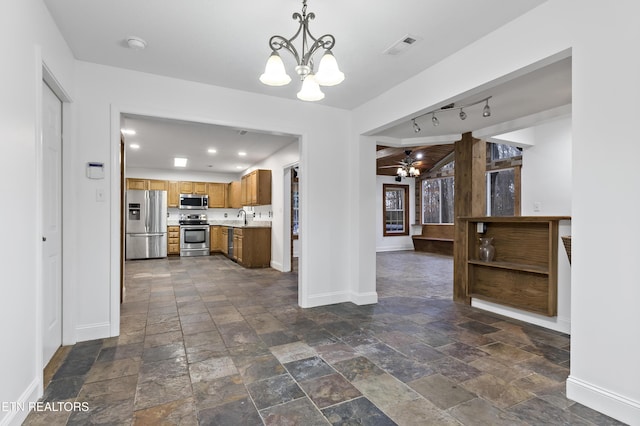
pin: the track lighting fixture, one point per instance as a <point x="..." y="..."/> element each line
<point x="416" y="128"/>
<point x="486" y="112"/>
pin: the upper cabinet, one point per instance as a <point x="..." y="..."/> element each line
<point x="147" y="184"/>
<point x="173" y="193"/>
<point x="253" y="190"/>
<point x="217" y="195"/>
<point x="256" y="188"/>
<point x="234" y="195"/>
<point x="199" y="188"/>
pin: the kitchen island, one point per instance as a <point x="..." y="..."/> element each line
<point x="248" y="245"/>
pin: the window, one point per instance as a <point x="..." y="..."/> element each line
<point x="500" y="151"/>
<point x="501" y="193"/>
<point x="395" y="210"/>
<point x="437" y="200"/>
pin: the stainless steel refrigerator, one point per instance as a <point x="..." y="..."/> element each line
<point x="146" y="228"/>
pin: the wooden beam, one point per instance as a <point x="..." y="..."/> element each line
<point x="470" y="199"/>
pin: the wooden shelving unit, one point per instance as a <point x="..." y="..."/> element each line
<point x="524" y="271"/>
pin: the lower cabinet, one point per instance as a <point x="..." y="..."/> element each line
<point x="173" y="240"/>
<point x="224" y="240"/>
<point x="251" y="246"/>
<point x="215" y="239"/>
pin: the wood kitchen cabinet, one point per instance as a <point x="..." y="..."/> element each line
<point x="217" y="195"/>
<point x="256" y="188"/>
<point x="215" y="239"/>
<point x="252" y="247"/>
<point x="238" y="239"/>
<point x="173" y="240"/>
<point x="224" y="240"/>
<point x="158" y="185"/>
<point x="234" y="195"/>
<point x="199" y="188"/>
<point x="173" y="193"/>
<point x="139" y="184"/>
<point x="146" y="184"/>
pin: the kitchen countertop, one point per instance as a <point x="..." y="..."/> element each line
<point x="229" y="223"/>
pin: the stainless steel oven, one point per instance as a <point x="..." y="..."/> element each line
<point x="194" y="236"/>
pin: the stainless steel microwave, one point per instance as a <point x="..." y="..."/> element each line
<point x="193" y="202"/>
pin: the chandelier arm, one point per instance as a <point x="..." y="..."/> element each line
<point x="326" y="42"/>
<point x="278" y="42"/>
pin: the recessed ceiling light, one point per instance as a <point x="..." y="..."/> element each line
<point x="134" y="146"/>
<point x="128" y="131"/>
<point x="242" y="153"/>
<point x="239" y="167"/>
<point x="212" y="151"/>
<point x="180" y="162"/>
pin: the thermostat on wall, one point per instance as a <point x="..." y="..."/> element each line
<point x="95" y="170"/>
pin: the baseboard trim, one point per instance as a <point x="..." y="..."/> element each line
<point x="394" y="248"/>
<point x="327" y="299"/>
<point x="93" y="331"/>
<point x="613" y="405"/>
<point x="364" y="298"/>
<point x="277" y="266"/>
<point x="556" y="323"/>
<point x="20" y="411"/>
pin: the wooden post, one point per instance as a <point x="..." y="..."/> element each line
<point x="470" y="199"/>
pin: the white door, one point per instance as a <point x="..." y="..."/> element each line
<point x="51" y="222"/>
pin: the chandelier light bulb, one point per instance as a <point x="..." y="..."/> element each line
<point x="328" y="72"/>
<point x="274" y="72"/>
<point x="310" y="90"/>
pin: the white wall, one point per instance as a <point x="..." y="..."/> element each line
<point x="28" y="37"/>
<point x="394" y="243"/>
<point x="601" y="37"/>
<point x="546" y="171"/>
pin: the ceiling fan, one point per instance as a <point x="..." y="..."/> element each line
<point x="407" y="167"/>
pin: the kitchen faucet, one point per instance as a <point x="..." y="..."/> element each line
<point x="245" y="215"/>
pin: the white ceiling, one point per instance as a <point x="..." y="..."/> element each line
<point x="545" y="89"/>
<point x="226" y="44"/>
<point x="161" y="140"/>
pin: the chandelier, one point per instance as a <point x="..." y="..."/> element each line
<point x="328" y="73"/>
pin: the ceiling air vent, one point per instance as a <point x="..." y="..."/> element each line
<point x="402" y="45"/>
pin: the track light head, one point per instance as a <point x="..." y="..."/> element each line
<point x="463" y="115"/>
<point x="416" y="128"/>
<point x="486" y="111"/>
<point x="434" y="119"/>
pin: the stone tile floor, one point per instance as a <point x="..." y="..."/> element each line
<point x="204" y="341"/>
